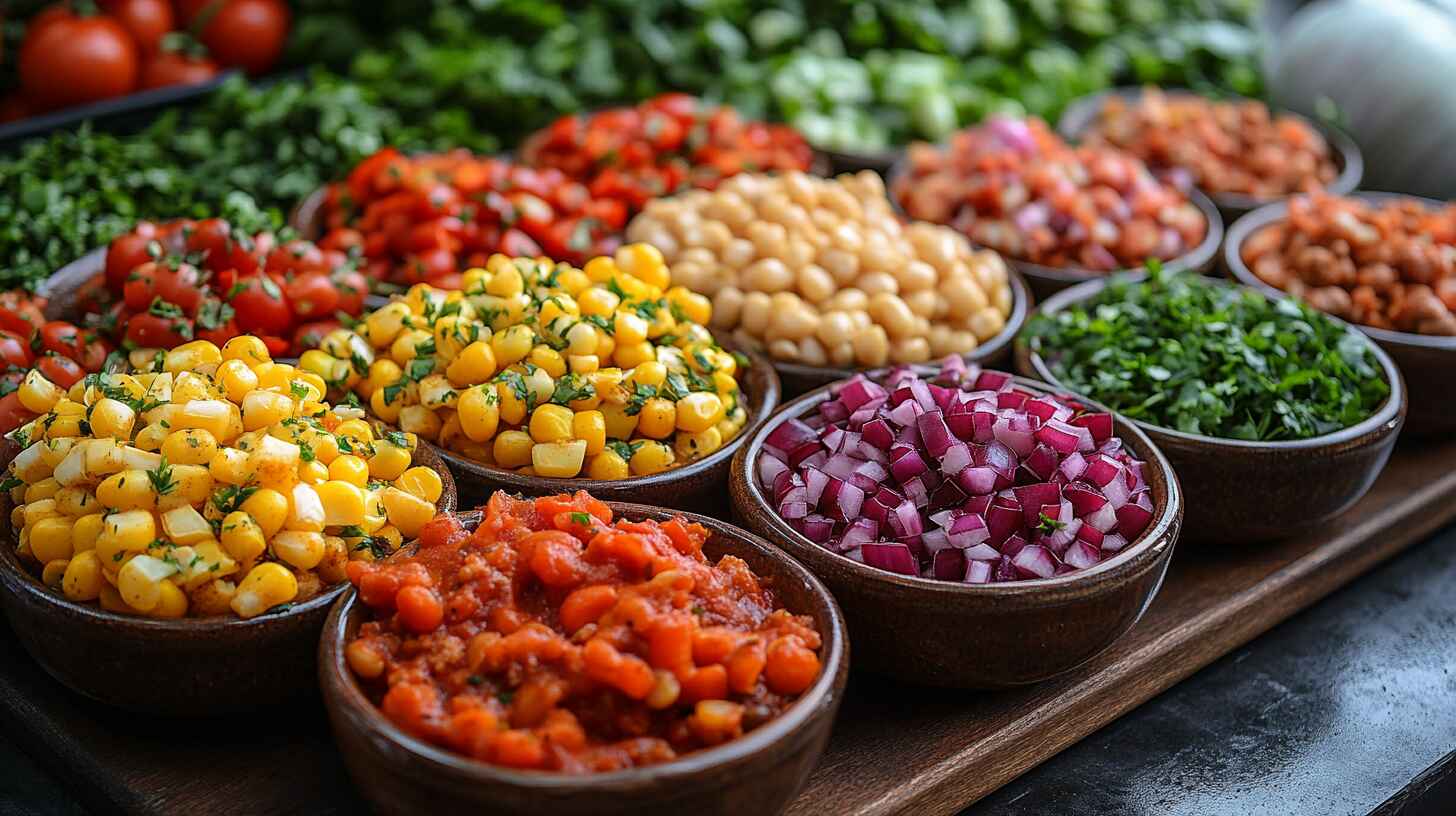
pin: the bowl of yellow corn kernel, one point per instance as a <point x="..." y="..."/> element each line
<point x="540" y="377"/>
<point x="180" y="530"/>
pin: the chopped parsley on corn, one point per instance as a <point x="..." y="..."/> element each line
<point x="209" y="481"/>
<point x="601" y="372"/>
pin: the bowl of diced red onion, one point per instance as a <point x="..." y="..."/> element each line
<point x="979" y="529"/>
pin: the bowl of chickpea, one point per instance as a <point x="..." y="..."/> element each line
<point x="1385" y="262"/>
<point x="539" y="377"/>
<point x="823" y="278"/>
<point x="181" y="530"/>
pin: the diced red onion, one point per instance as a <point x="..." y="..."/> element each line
<point x="1035" y="561"/>
<point x="1113" y="542"/>
<point x="978" y="479"/>
<point x="905" y="413"/>
<point x="814" y="482"/>
<point x="769" y="468"/>
<point x="1100" y="425"/>
<point x="949" y="565"/>
<point x="833" y="411"/>
<point x="935" y="436"/>
<point x="978" y="572"/>
<point x="860" y="531"/>
<point x="891" y="557"/>
<point x="798" y="455"/>
<point x="842" y="500"/>
<point x="858" y="391"/>
<point x="817" y="528"/>
<point x="1081" y="555"/>
<point x="789" y="436"/>
<point x="955" y="458"/>
<point x="1041" y="463"/>
<point x="1059" y="437"/>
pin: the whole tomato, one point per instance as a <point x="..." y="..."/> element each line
<point x="298" y="257"/>
<point x="21" y="313"/>
<point x="62" y="371"/>
<point x="352" y="286"/>
<point x="127" y="252"/>
<point x="249" y="34"/>
<point x="141" y="286"/>
<point x="14" y="351"/>
<point x="261" y="306"/>
<point x="12" y="413"/>
<point x="65" y="339"/>
<point x="68" y="60"/>
<point x="310" y="335"/>
<point x="177" y="68"/>
<point x="148" y="330"/>
<point x="210" y="237"/>
<point x="312" y="295"/>
<point x="181" y="286"/>
<point x="146" y="20"/>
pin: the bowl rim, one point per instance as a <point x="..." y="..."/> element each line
<point x="1079" y="116"/>
<point x="1255" y="220"/>
<point x="501" y="477"/>
<point x="1021" y="306"/>
<point x="1165" y="524"/>
<point x="1196" y="258"/>
<point x="1393" y="409"/>
<point x="341" y="690"/>
<point x="18" y="581"/>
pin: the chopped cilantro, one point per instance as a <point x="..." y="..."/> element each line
<point x="161" y="478"/>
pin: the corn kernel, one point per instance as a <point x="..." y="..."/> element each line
<point x="50" y="539"/>
<point x="691" y="446"/>
<point x="652" y="457"/>
<point x="562" y="460"/>
<point x="420" y="421"/>
<point x="192" y="356"/>
<point x="190" y="446"/>
<point x="305" y="510"/>
<point x="242" y="537"/>
<point x="419" y="481"/>
<point x="313" y="473"/>
<point x="607" y="465"/>
<point x="350" y="468"/>
<point x="229" y="466"/>
<point x="512" y="345"/>
<point x="112" y="418"/>
<point x="620" y="424"/>
<point x="479" y="412"/>
<point x="551" y="423"/>
<point x="300" y="550"/>
<point x="85" y="531"/>
<point x="629" y="329"/>
<point x="657" y="418"/>
<point x="343" y="503"/>
<point x="139" y="579"/>
<point x="46" y="488"/>
<point x="127" y="490"/>
<point x="76" y="502"/>
<point x="82" y="579"/>
<point x="633" y="354"/>
<point x="699" y="411"/>
<point x="406" y="512"/>
<point x="268" y="508"/>
<point x="644" y="262"/>
<point x="37" y="393"/>
<point x="549" y="360"/>
<point x="591" y="427"/>
<point x="388" y="462"/>
<point x="264" y="587"/>
<point x="512" y="449"/>
<point x="262" y="409"/>
<point x="171" y="602"/>
<point x="247" y="348"/>
<point x="53" y="572"/>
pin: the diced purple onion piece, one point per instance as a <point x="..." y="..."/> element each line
<point x="817" y="528"/>
<point x="949" y="565"/>
<point x="1132" y="520"/>
<point x="769" y="468"/>
<point x="790" y="435"/>
<point x="934" y="434"/>
<point x="1100" y="425"/>
<point x="891" y="557"/>
<point x="1112" y="542"/>
<point x="978" y="572"/>
<point x="1081" y="555"/>
<point x="1035" y="561"/>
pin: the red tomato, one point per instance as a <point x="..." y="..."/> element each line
<point x="12" y="413"/>
<point x="342" y="239"/>
<point x="21" y="313"/>
<point x="140" y="286"/>
<point x="277" y="346"/>
<point x="126" y="253"/>
<point x="176" y="68"/>
<point x="261" y="306"/>
<point x="249" y="34"/>
<point x="427" y="265"/>
<point x="181" y="286"/>
<point x="14" y="350"/>
<point x="62" y="371"/>
<point x="67" y="60"/>
<point x="352" y="286"/>
<point x="518" y="244"/>
<point x="146" y="20"/>
<point x="310" y="335"/>
<point x="313" y="295"/>
<point x="298" y="257"/>
<point x="147" y="330"/>
<point x="361" y="178"/>
<point x="189" y="10"/>
<point x="220" y="333"/>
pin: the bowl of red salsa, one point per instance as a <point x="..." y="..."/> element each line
<point x="566" y="655"/>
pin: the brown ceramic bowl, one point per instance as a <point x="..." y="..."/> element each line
<point x="1243" y="492"/>
<point x="853" y="161"/>
<point x="190" y="667"/>
<point x="700" y="486"/>
<point x="759" y="773"/>
<point x="799" y="378"/>
<point x="65" y="287"/>
<point x="1046" y="281"/>
<point x="1427" y="361"/>
<point x="982" y="636"/>
<point x="1081" y="115"/>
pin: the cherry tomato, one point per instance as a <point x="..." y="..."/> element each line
<point x="298" y="257"/>
<point x="342" y="239"/>
<point x="126" y="253"/>
<point x="189" y="10"/>
<point x="312" y="295"/>
<point x="517" y="244"/>
<point x="219" y="333"/>
<point x="147" y="330"/>
<point x="249" y="34"/>
<point x="140" y="286"/>
<point x="63" y="371"/>
<point x="261" y="306"/>
<point x="67" y="60"/>
<point x="310" y="335"/>
<point x="176" y="68"/>
<point x="277" y="346"/>
<point x="427" y="265"/>
<point x="14" y="350"/>
<point x="12" y="413"/>
<point x="146" y="20"/>
<point x="21" y="313"/>
<point x="181" y="286"/>
<point x="352" y="286"/>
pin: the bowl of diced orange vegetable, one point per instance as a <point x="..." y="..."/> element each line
<point x="539" y="377"/>
<point x="180" y="529"/>
<point x="598" y="659"/>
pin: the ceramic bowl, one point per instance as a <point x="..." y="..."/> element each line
<point x="1427" y="361"/>
<point x="186" y="668"/>
<point x="1046" y="281"/>
<point x="982" y="636"/>
<point x="1082" y="114"/>
<point x="758" y="773"/>
<point x="699" y="486"/>
<point x="853" y="161"/>
<point x="1244" y="492"/>
<point x="799" y="378"/>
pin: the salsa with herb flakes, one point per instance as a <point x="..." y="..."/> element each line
<point x="1195" y="355"/>
<point x="557" y="638"/>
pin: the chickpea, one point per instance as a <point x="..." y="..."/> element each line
<point x="644" y="225"/>
<point x="696" y="277"/>
<point x="768" y="275"/>
<point x="939" y="339"/>
<point x="910" y="350"/>
<point x="795" y="323"/>
<point x="850" y="299"/>
<point x="744" y="339"/>
<point x="738" y="253"/>
<point x="1002" y="300"/>
<point x="689" y="230"/>
<point x="878" y="254"/>
<point x="727" y="307"/>
<point x="986" y="323"/>
<point x="702" y="256"/>
<point x="730" y="208"/>
<point x="925" y="303"/>
<point x="844" y="266"/>
<point x="801" y="189"/>
<point x="842" y="354"/>
<point x="877" y="283"/>
<point x="661" y="237"/>
<point x="784" y="349"/>
<point x="824" y="219"/>
<point x="962" y="342"/>
<point x="872" y="347"/>
<point x="774" y="207"/>
<point x="815" y="284"/>
<point x="860" y="319"/>
<point x="963" y="297"/>
<point x="756" y="312"/>
<point x="989" y="269"/>
<point x="835" y="328"/>
<point x="916" y="275"/>
<point x="799" y="253"/>
<point x="847" y="237"/>
<point x="812" y="352"/>
<point x="716" y="235"/>
<point x="769" y="239"/>
<point x="890" y="311"/>
<point x="835" y="198"/>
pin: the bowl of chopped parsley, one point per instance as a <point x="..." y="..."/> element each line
<point x="1276" y="417"/>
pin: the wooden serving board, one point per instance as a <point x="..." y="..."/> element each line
<point x="895" y="749"/>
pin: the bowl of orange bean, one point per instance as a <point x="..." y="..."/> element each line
<point x="1239" y="152"/>
<point x="1060" y="214"/>
<point x="1383" y="261"/>
<point x="599" y="658"/>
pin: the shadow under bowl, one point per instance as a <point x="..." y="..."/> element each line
<point x="1245" y="492"/>
<point x="757" y="773"/>
<point x="978" y="636"/>
<point x="1427" y="361"/>
<point x="1082" y="114"/>
<point x="699" y="486"/>
<point x="799" y="378"/>
<point x="184" y="668"/>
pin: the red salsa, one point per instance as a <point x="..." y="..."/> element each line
<point x="556" y="638"/>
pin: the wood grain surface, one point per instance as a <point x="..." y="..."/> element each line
<point x="894" y="750"/>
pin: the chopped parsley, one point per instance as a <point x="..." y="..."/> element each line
<point x="572" y="387"/>
<point x="161" y="478"/>
<point x="397" y="439"/>
<point x="584" y="519"/>
<point x="231" y="498"/>
<point x="1050" y="525"/>
<point x="641" y="393"/>
<point x="624" y="449"/>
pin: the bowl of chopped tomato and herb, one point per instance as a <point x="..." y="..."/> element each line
<point x="1276" y="417"/>
<point x="579" y="657"/>
<point x="1383" y="261"/>
<point x="979" y="530"/>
